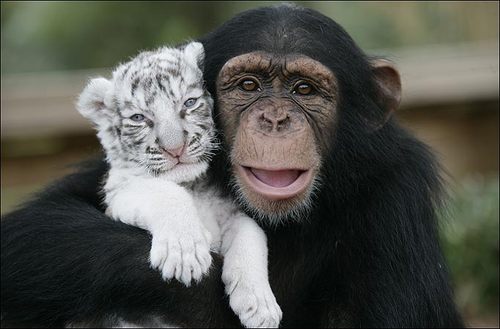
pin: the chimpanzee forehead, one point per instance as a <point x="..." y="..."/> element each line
<point x="289" y="64"/>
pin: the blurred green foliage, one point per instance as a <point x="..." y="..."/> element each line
<point x="470" y="243"/>
<point x="40" y="36"/>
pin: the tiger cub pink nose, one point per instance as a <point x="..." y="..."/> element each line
<point x="175" y="152"/>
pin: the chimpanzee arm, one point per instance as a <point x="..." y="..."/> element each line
<point x="389" y="271"/>
<point x="64" y="262"/>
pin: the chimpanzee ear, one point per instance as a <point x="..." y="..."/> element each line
<point x="91" y="103"/>
<point x="388" y="84"/>
<point x="195" y="53"/>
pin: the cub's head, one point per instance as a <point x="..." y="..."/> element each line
<point x="155" y="113"/>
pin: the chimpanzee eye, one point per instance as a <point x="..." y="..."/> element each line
<point x="303" y="88"/>
<point x="190" y="102"/>
<point x="250" y="85"/>
<point x="137" y="117"/>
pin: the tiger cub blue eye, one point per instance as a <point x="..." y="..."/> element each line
<point x="190" y="102"/>
<point x="137" y="117"/>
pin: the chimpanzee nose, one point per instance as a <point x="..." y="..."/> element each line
<point x="275" y="120"/>
<point x="175" y="152"/>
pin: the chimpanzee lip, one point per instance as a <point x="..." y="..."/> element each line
<point x="288" y="190"/>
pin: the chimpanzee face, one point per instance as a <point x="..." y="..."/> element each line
<point x="277" y="112"/>
<point x="278" y="115"/>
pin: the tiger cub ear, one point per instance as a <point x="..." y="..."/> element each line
<point x="195" y="53"/>
<point x="91" y="103"/>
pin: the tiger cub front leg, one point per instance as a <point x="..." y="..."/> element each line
<point x="180" y="243"/>
<point x="245" y="274"/>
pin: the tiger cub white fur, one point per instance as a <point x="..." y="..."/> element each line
<point x="153" y="118"/>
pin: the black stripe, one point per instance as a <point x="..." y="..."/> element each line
<point x="148" y="82"/>
<point x="159" y="81"/>
<point x="125" y="71"/>
<point x="135" y="83"/>
<point x="202" y="126"/>
<point x="150" y="98"/>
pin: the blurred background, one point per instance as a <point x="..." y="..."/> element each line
<point x="447" y="53"/>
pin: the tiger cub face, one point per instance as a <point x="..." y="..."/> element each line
<point x="155" y="113"/>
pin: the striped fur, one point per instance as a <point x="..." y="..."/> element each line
<point x="155" y="84"/>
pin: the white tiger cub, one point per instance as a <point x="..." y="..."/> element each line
<point x="154" y="121"/>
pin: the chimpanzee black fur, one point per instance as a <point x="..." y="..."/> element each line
<point x="366" y="256"/>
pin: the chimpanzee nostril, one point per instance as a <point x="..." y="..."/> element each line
<point x="266" y="119"/>
<point x="283" y="122"/>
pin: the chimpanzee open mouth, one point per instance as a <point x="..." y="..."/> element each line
<point x="276" y="184"/>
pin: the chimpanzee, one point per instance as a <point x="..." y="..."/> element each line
<point x="348" y="199"/>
